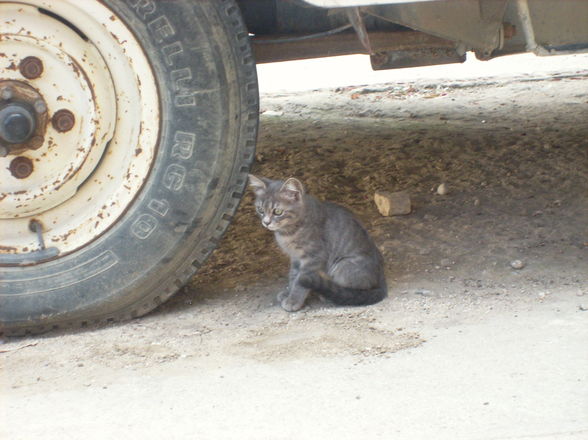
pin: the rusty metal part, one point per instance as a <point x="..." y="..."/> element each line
<point x="21" y="167"/>
<point x="31" y="67"/>
<point x="475" y="24"/>
<point x="346" y="44"/>
<point x="356" y="20"/>
<point x="20" y="94"/>
<point x="399" y="59"/>
<point x="63" y="120"/>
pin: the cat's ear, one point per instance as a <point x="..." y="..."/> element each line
<point x="292" y="189"/>
<point x="258" y="185"/>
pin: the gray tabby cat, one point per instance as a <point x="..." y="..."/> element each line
<point x="330" y="251"/>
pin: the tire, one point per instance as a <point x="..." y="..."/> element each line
<point x="204" y="73"/>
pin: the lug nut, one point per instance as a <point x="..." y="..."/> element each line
<point x="21" y="167"/>
<point x="40" y="106"/>
<point x="31" y="67"/>
<point x="63" y="120"/>
<point x="6" y="93"/>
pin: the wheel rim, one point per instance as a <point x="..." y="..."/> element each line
<point x="79" y="124"/>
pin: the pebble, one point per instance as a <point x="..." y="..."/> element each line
<point x="273" y="113"/>
<point x="423" y="292"/>
<point x="442" y="189"/>
<point x="517" y="264"/>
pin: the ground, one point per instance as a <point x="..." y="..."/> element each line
<point x="483" y="335"/>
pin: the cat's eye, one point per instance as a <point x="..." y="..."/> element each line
<point x="259" y="209"/>
<point x="278" y="211"/>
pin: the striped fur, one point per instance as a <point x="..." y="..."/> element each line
<point x="330" y="251"/>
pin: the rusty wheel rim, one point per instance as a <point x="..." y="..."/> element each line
<point x="93" y="103"/>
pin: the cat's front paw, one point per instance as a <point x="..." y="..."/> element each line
<point x="290" y="305"/>
<point x="282" y="295"/>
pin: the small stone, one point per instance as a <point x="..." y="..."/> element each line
<point x="273" y="113"/>
<point x="395" y="203"/>
<point x="442" y="189"/>
<point x="476" y="202"/>
<point x="423" y="292"/>
<point x="517" y="264"/>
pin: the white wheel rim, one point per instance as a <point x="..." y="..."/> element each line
<point x="84" y="179"/>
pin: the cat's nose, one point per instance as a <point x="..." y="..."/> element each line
<point x="266" y="221"/>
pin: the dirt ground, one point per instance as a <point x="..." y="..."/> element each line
<point x="482" y="336"/>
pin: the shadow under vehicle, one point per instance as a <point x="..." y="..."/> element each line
<point x="127" y="128"/>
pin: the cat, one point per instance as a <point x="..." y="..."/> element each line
<point x="330" y="252"/>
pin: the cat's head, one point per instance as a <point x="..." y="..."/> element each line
<point x="280" y="205"/>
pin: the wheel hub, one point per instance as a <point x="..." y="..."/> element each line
<point x="23" y="117"/>
<point x="17" y="123"/>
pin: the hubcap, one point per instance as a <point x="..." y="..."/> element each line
<point x="79" y="122"/>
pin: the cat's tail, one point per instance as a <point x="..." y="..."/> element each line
<point x="341" y="295"/>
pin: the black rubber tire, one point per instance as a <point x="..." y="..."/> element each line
<point x="193" y="189"/>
